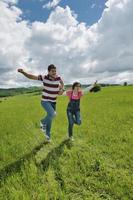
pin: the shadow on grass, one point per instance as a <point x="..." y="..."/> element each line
<point x="52" y="160"/>
<point x="52" y="157"/>
<point x="16" y="166"/>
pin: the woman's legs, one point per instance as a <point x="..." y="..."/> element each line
<point x="73" y="119"/>
<point x="77" y="118"/>
<point x="70" y="123"/>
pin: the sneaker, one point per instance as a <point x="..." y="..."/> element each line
<point x="48" y="141"/>
<point x="47" y="138"/>
<point x="43" y="128"/>
<point x="71" y="138"/>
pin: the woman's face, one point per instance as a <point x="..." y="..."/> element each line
<point x="77" y="87"/>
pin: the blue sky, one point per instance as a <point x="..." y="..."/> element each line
<point x="88" y="11"/>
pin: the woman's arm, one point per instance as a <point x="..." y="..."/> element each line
<point x="87" y="89"/>
<point x="30" y="76"/>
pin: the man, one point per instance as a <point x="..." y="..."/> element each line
<point x="52" y="87"/>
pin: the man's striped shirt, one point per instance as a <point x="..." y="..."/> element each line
<point x="50" y="87"/>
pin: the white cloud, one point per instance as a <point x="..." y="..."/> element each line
<point x="103" y="51"/>
<point x="61" y="41"/>
<point x="114" y="50"/>
<point x="13" y="35"/>
<point x="51" y="4"/>
<point x="64" y="17"/>
<point x="10" y="1"/>
<point x="116" y="3"/>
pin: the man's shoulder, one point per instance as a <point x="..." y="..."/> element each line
<point x="58" y="78"/>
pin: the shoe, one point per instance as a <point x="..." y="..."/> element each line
<point x="43" y="127"/>
<point x="47" y="138"/>
<point x="71" y="138"/>
<point x="49" y="141"/>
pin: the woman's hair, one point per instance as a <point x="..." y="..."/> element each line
<point x="51" y="67"/>
<point x="75" y="84"/>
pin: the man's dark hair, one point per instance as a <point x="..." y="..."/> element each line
<point x="75" y="84"/>
<point x="51" y="67"/>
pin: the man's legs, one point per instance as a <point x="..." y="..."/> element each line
<point x="49" y="107"/>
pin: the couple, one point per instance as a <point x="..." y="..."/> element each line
<point x="52" y="87"/>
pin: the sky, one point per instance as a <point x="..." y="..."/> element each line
<point x="87" y="40"/>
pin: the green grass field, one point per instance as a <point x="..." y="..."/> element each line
<point x="97" y="165"/>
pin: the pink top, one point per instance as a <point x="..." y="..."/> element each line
<point x="73" y="96"/>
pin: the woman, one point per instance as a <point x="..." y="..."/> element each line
<point x="73" y="108"/>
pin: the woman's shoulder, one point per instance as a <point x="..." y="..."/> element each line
<point x="80" y="93"/>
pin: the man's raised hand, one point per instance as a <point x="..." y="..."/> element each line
<point x="20" y="70"/>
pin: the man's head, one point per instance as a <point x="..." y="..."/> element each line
<point x="52" y="71"/>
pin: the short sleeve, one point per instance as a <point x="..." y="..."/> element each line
<point x="58" y="78"/>
<point x="80" y="94"/>
<point x="61" y="80"/>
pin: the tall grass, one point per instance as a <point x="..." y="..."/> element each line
<point x="97" y="165"/>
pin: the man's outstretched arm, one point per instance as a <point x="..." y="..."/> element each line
<point x="30" y="76"/>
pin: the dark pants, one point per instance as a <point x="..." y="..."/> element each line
<point x="73" y="118"/>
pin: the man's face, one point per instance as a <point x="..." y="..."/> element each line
<point x="52" y="73"/>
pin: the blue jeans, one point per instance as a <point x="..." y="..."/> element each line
<point x="73" y="119"/>
<point x="50" y="108"/>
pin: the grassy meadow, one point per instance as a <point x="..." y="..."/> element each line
<point x="97" y="165"/>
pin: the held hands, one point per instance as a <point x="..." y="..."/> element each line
<point x="61" y="91"/>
